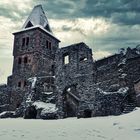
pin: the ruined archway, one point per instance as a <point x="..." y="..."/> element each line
<point x="70" y="101"/>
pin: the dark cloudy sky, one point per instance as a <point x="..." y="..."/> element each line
<point x="105" y="25"/>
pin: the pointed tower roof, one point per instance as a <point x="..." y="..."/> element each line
<point x="37" y="18"/>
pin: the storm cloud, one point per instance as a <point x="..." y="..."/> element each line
<point x="104" y="25"/>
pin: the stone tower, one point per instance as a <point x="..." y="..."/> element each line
<point x="34" y="49"/>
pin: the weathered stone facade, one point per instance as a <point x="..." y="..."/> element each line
<point x="74" y="80"/>
<point x="49" y="82"/>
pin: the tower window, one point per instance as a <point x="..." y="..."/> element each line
<point x="26" y="60"/>
<point x="19" y="60"/>
<point x="47" y="44"/>
<point x="50" y="45"/>
<point x="27" y="41"/>
<point x="25" y="83"/>
<point x="19" y="84"/>
<point x="23" y="41"/>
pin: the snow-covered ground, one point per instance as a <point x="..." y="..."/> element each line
<point x="124" y="127"/>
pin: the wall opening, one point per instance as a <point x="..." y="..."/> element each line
<point x="30" y="113"/>
<point x="53" y="71"/>
<point x="87" y="113"/>
<point x="25" y="83"/>
<point x="26" y="60"/>
<point x="27" y="41"/>
<point x="48" y="45"/>
<point x="19" y="84"/>
<point x="17" y="105"/>
<point x="66" y="59"/>
<point x="70" y="102"/>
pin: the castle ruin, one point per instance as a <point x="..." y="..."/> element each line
<point x="49" y="82"/>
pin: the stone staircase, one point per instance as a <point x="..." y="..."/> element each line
<point x="129" y="108"/>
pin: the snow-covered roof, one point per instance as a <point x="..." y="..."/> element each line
<point x="40" y="27"/>
<point x="37" y="17"/>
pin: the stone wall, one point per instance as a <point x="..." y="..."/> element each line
<point x="108" y="72"/>
<point x="33" y="53"/>
<point x="77" y="73"/>
<point x="4" y="98"/>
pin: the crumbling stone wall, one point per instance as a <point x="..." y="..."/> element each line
<point x="108" y="73"/>
<point x="110" y="103"/>
<point x="78" y="72"/>
<point x="4" y="98"/>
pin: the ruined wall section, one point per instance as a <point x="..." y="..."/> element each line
<point x="74" y="67"/>
<point x="4" y="98"/>
<point x="108" y="73"/>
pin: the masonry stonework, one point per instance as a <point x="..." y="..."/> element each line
<point x="49" y="82"/>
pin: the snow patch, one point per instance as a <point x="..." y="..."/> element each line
<point x="46" y="107"/>
<point x="33" y="81"/>
<point x="122" y="90"/>
<point x="7" y="113"/>
<point x="48" y="93"/>
<point x="123" y="127"/>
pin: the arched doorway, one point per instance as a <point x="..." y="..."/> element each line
<point x="70" y="101"/>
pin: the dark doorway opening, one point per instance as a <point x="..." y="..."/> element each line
<point x="70" y="111"/>
<point x="87" y="113"/>
<point x="30" y="113"/>
<point x="17" y="105"/>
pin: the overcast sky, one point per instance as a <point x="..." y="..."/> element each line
<point x="104" y="25"/>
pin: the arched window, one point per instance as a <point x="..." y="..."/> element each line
<point x="25" y="83"/>
<point x="25" y="60"/>
<point x="27" y="41"/>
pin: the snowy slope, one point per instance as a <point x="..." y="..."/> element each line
<point x="124" y="127"/>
